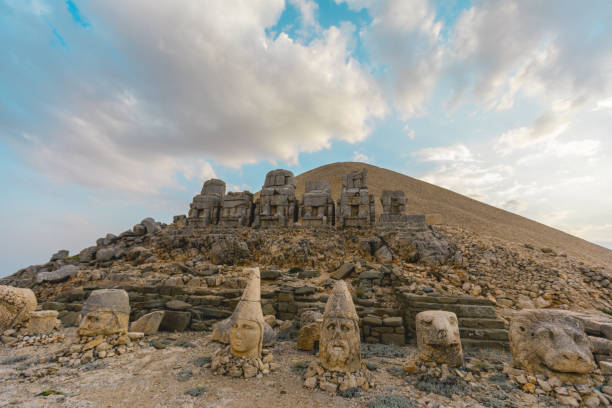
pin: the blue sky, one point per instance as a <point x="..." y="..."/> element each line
<point x="111" y="111"/>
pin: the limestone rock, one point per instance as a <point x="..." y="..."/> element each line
<point x="550" y="342"/>
<point x="41" y="322"/>
<point x="150" y="225"/>
<point x="344" y="271"/>
<point x="15" y="306"/>
<point x="61" y="254"/>
<point x="149" y="323"/>
<point x="178" y="305"/>
<point x="61" y="274"/>
<point x="106" y="311"/>
<point x="308" y="336"/>
<point x="438" y="338"/>
<point x="175" y="321"/>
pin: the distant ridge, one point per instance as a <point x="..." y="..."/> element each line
<point x="458" y="210"/>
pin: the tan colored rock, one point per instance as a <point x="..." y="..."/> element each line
<point x="438" y="338"/>
<point x="15" y="306"/>
<point x="149" y="323"/>
<point x="308" y="336"/>
<point x="550" y="342"/>
<point x="41" y="322"/>
<point x="433" y="219"/>
<point x="106" y="311"/>
<point x="340" y="344"/>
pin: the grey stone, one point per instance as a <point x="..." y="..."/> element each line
<point x="175" y="321"/>
<point x="139" y="229"/>
<point x="110" y="239"/>
<point x="229" y="251"/>
<point x="105" y="254"/>
<point x="88" y="254"/>
<point x="61" y="254"/>
<point x="371" y="274"/>
<point x="151" y="226"/>
<point x="178" y="305"/>
<point x="61" y="274"/>
<point x="344" y="271"/>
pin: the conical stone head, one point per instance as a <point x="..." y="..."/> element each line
<point x="340" y="344"/>
<point x="246" y="335"/>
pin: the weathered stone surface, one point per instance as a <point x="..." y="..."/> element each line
<point x="149" y="323"/>
<point x="356" y="205"/>
<point x="229" y="251"/>
<point x="344" y="271"/>
<point x="438" y="338"/>
<point x="106" y="311"/>
<point x="88" y="254"/>
<point x="61" y="254"/>
<point x="317" y="206"/>
<point x="15" y="306"/>
<point x="277" y="205"/>
<point x="178" y="305"/>
<point x="206" y="206"/>
<point x="105" y="254"/>
<point x="237" y="209"/>
<point x="150" y="225"/>
<point x="340" y="344"/>
<point x="41" y="322"/>
<point x="175" y="321"/>
<point x="61" y="274"/>
<point x="308" y="336"/>
<point x="550" y="342"/>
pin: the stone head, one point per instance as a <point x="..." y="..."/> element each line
<point x="106" y="311"/>
<point x="438" y="337"/>
<point x="214" y="186"/>
<point x="340" y="344"/>
<point x="246" y="334"/>
<point x="545" y="341"/>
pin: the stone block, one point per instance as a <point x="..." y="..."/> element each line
<point x="42" y="322"/>
<point x="175" y="321"/>
<point x="149" y="323"/>
<point x="393" y="338"/>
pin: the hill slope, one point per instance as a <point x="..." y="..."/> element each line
<point x="459" y="210"/>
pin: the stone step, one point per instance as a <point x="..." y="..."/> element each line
<point x="462" y="311"/>
<point x="462" y="300"/>
<point x="480" y="344"/>
<point x="484" y="334"/>
<point x="471" y="323"/>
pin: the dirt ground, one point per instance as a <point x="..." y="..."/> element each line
<point x="149" y="377"/>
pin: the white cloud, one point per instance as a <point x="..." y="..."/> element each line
<point x="307" y="9"/>
<point x="404" y="39"/>
<point x="360" y="157"/>
<point x="409" y="132"/>
<point x="203" y="82"/>
<point x="447" y="153"/>
<point x="546" y="128"/>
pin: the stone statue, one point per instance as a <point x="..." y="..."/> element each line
<point x="340" y="344"/>
<point x="317" y="206"/>
<point x="237" y="209"/>
<point x="438" y="338"/>
<point x="246" y="335"/>
<point x="15" y="306"/>
<point x="356" y="205"/>
<point x="106" y="311"/>
<point x="550" y="342"/>
<point x="206" y="206"/>
<point x="277" y="205"/>
<point x="394" y="206"/>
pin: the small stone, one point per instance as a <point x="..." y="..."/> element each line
<point x="310" y="382"/>
<point x="529" y="387"/>
<point x="328" y="386"/>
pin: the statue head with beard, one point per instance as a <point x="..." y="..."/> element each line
<point x="340" y="344"/>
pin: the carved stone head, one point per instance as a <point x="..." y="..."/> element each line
<point x="106" y="311"/>
<point x="340" y="344"/>
<point x="438" y="337"/>
<point x="550" y="341"/>
<point x="246" y="334"/>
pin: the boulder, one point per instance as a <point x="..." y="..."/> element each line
<point x="106" y="311"/>
<point x="383" y="254"/>
<point x="150" y="225"/>
<point x="88" y="254"/>
<point x="175" y="321"/>
<point x="438" y="338"/>
<point x="15" y="306"/>
<point x="177" y="305"/>
<point x="344" y="271"/>
<point x="59" y="275"/>
<point x="61" y="254"/>
<point x="42" y="322"/>
<point x="149" y="323"/>
<point x="105" y="254"/>
<point x="139" y="229"/>
<point x="550" y="342"/>
<point x="308" y="336"/>
<point x="229" y="251"/>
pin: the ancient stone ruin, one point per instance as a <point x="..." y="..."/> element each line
<point x="205" y="208"/>
<point x="243" y="357"/>
<point x="277" y="205"/>
<point x="552" y="343"/>
<point x="340" y="347"/>
<point x="15" y="307"/>
<point x="317" y="206"/>
<point x="356" y="205"/>
<point x="237" y="209"/>
<point x="106" y="312"/>
<point x="438" y="338"/>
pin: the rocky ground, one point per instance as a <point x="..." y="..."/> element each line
<point x="176" y="373"/>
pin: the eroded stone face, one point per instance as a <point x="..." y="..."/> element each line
<point x="206" y="206"/>
<point x="550" y="342"/>
<point x="106" y="311"/>
<point x="340" y="344"/>
<point x="438" y="338"/>
<point x="245" y="338"/>
<point x="277" y="205"/>
<point x="15" y="306"/>
<point x="356" y="205"/>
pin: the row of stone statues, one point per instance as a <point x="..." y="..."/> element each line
<point x="277" y="205"/>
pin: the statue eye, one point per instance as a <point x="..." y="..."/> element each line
<point x="331" y="327"/>
<point x="345" y="328"/>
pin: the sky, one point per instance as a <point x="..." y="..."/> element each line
<point x="114" y="111"/>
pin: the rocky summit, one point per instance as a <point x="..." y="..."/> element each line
<point x="517" y="314"/>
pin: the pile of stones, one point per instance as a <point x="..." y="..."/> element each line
<point x="317" y="376"/>
<point x="86" y="349"/>
<point x="225" y="363"/>
<point x="12" y="339"/>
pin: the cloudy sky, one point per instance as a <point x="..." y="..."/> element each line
<point x="111" y="111"/>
